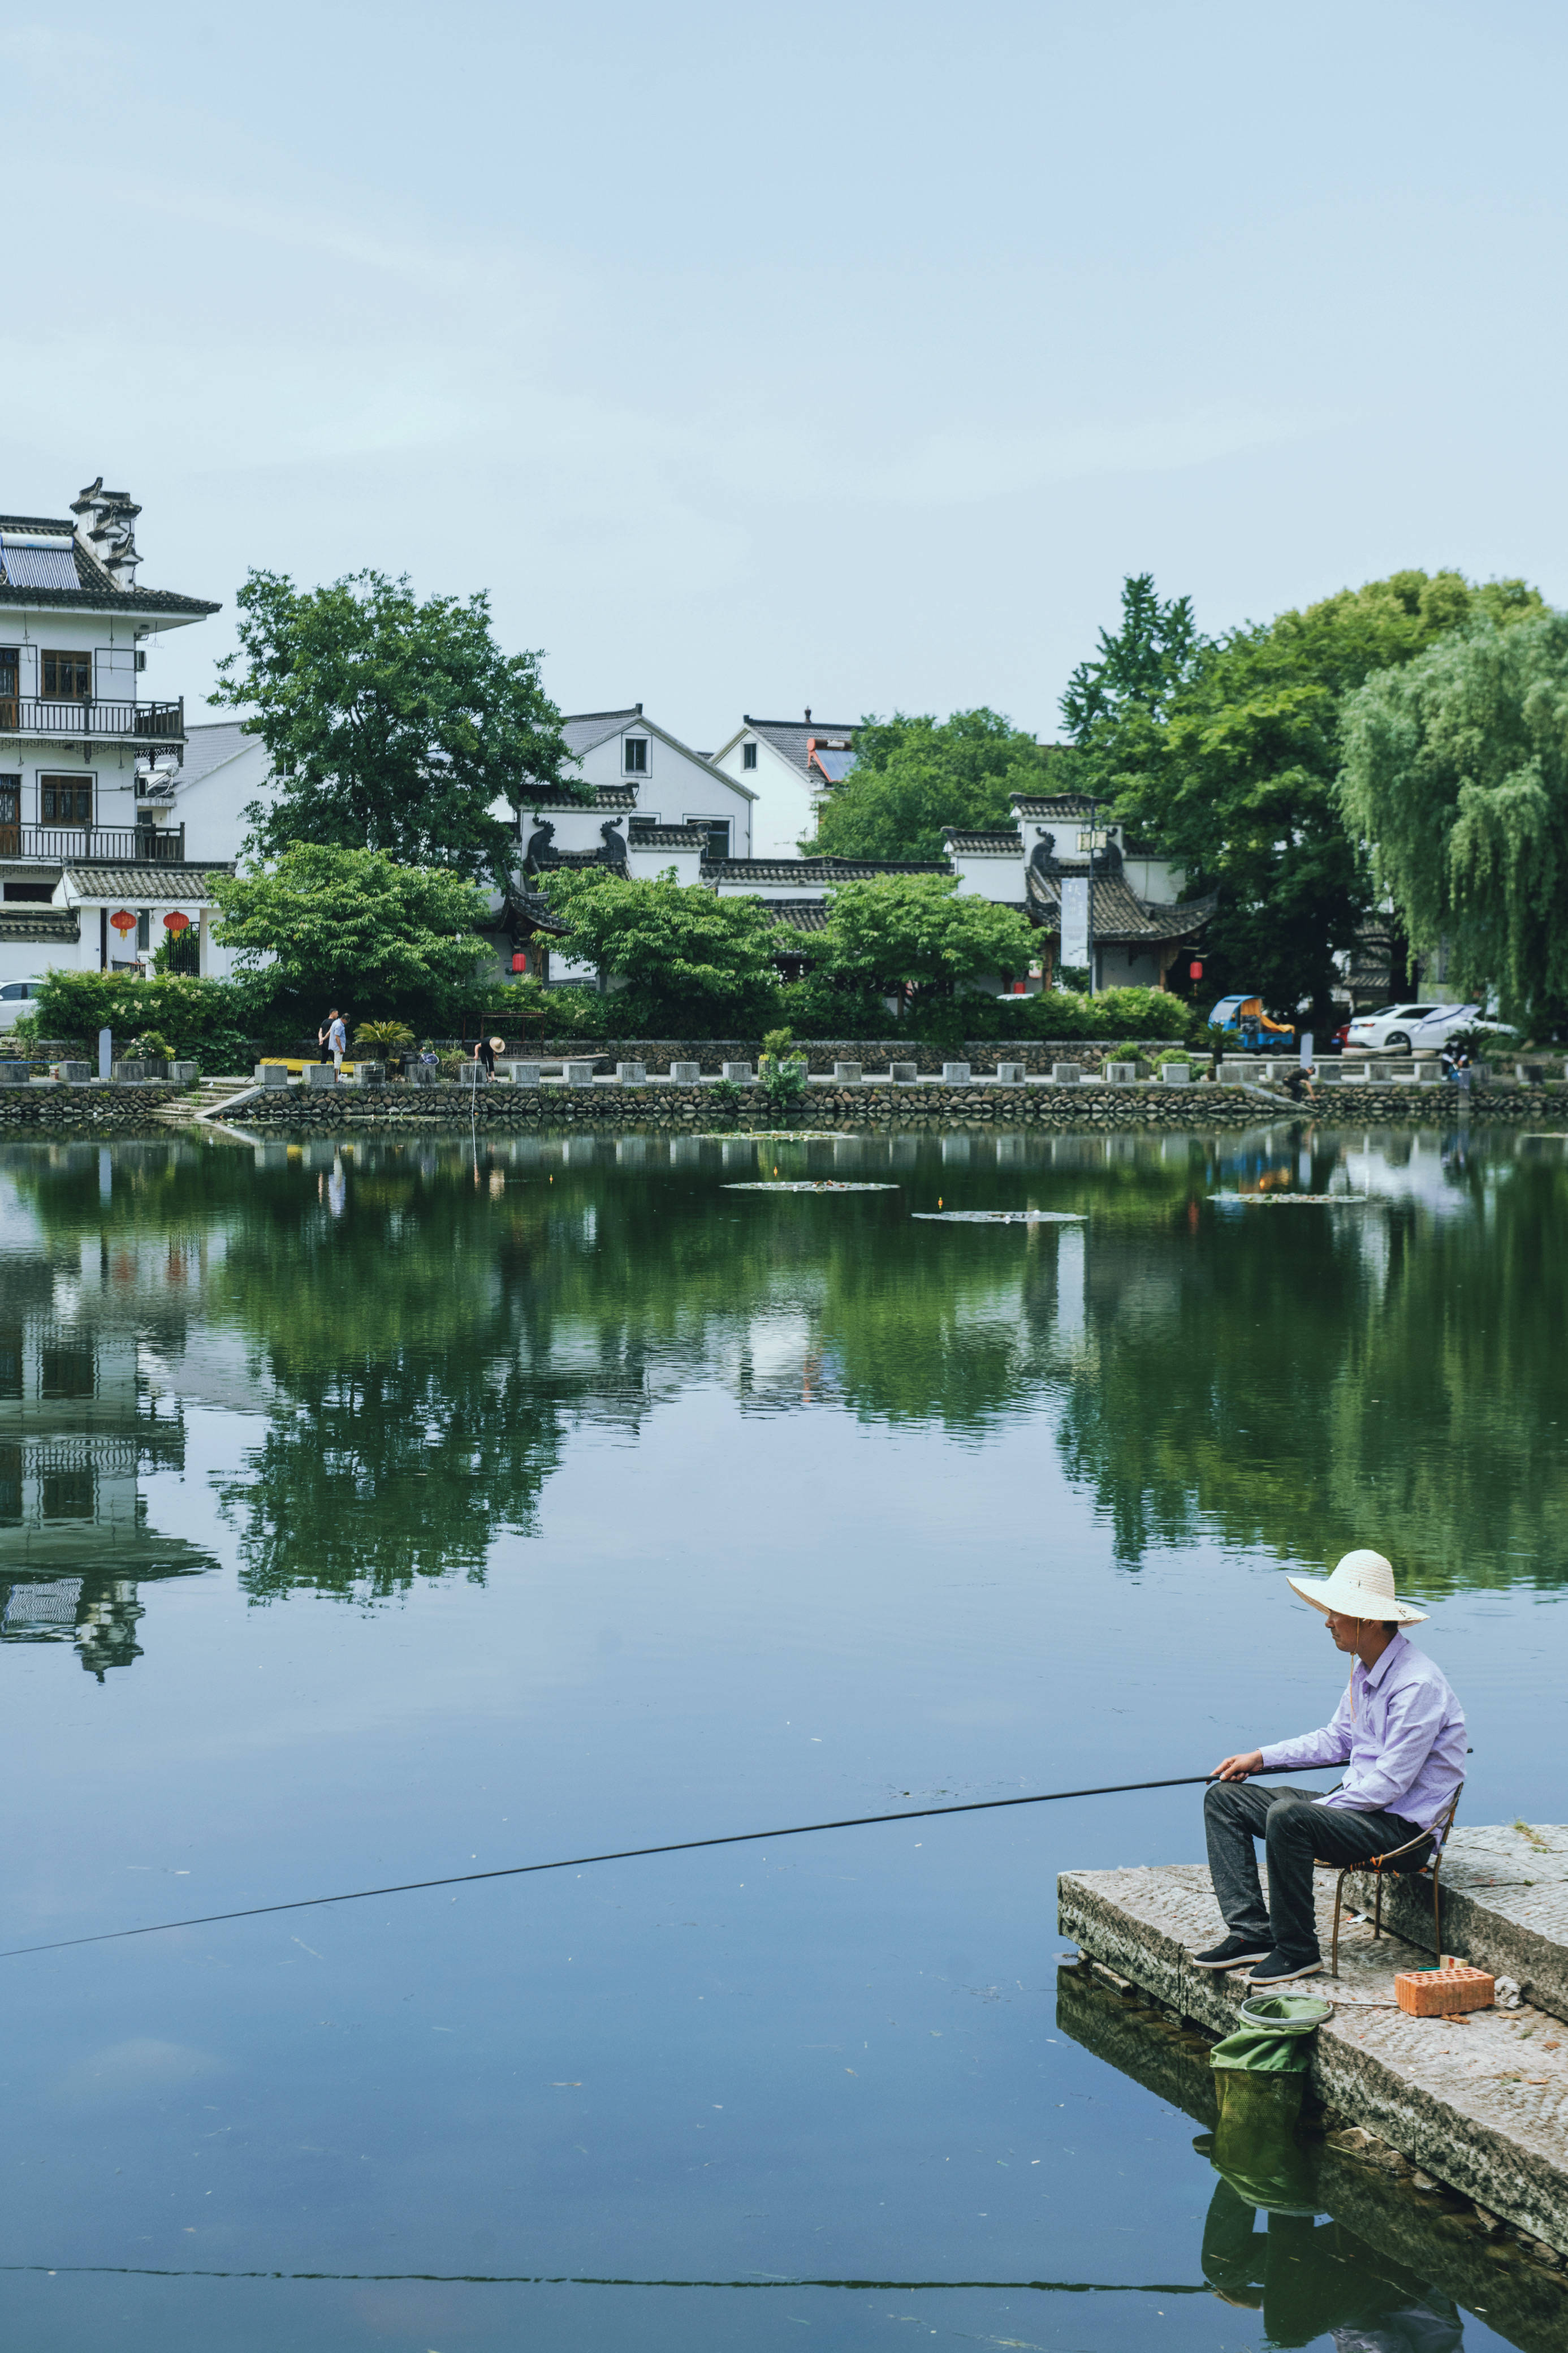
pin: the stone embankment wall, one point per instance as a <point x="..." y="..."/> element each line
<point x="99" y="1108"/>
<point x="344" y="1109"/>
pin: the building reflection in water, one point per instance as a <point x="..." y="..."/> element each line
<point x="79" y="1430"/>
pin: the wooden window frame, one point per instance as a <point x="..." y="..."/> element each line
<point x="57" y="693"/>
<point x="637" y="767"/>
<point x="73" y="783"/>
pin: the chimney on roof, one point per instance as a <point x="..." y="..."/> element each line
<point x="639" y="711"/>
<point x="809" y="715"/>
<point x="106" y="528"/>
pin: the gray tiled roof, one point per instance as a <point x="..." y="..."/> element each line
<point x="1041" y="808"/>
<point x="95" y="588"/>
<point x="814" y="869"/>
<point x="985" y="845"/>
<point x="1117" y="913"/>
<point x="645" y="836"/>
<point x="523" y="907"/>
<point x="583" y="729"/>
<point x="791" y="736"/>
<point x="24" y="924"/>
<point x="209" y="744"/>
<point x="797" y="915"/>
<point x="600" y="796"/>
<point x="152" y="885"/>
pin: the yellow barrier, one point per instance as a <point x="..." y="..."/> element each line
<point x="294" y="1064"/>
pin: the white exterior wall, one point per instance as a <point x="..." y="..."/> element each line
<point x="1156" y="878"/>
<point x="151" y="897"/>
<point x="111" y="638"/>
<point x="212" y="809"/>
<point x="785" y="811"/>
<point x="648" y="865"/>
<point x="676" y="790"/>
<point x="980" y="876"/>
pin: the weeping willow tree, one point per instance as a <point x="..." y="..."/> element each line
<point x="1455" y="776"/>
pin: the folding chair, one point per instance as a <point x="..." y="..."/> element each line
<point x="1377" y="1864"/>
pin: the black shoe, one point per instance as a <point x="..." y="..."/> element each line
<point x="1234" y="1952"/>
<point x="1279" y="1970"/>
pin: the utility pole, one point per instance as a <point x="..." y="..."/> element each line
<point x="1093" y="836"/>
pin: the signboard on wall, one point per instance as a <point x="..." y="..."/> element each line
<point x="1075" y="918"/>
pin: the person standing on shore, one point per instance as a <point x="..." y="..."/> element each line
<point x="333" y="1040"/>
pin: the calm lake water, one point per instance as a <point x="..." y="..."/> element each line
<point x="373" y="1515"/>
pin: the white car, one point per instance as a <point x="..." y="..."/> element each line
<point x="16" y="998"/>
<point x="1406" y="1028"/>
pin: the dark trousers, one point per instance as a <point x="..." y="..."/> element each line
<point x="1296" y="1828"/>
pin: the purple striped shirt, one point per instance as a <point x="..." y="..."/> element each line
<point x="1400" y="1734"/>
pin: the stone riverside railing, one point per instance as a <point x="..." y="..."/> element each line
<point x="1036" y="1054"/>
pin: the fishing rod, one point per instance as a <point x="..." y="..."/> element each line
<point x="627" y="1854"/>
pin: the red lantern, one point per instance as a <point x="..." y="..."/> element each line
<point x="176" y="922"/>
<point x="520" y="962"/>
<point x="1194" y="970"/>
<point x="124" y="921"/>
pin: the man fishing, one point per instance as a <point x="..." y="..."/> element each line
<point x="1399" y="1732"/>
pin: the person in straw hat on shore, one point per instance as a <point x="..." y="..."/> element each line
<point x="1399" y="1732"/>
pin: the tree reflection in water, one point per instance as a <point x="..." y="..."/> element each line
<point x="421" y="1334"/>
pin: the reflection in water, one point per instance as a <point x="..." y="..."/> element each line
<point x="81" y="1427"/>
<point x="99" y="1614"/>
<point x="1320" y="2247"/>
<point x="417" y="1346"/>
<point x="1311" y="2279"/>
<point x="1308" y="2278"/>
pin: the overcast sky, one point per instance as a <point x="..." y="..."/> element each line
<point x="755" y="357"/>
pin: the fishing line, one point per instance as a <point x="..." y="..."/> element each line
<point x="625" y="1854"/>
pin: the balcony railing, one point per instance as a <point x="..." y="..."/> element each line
<point x="94" y="845"/>
<point x="157" y="723"/>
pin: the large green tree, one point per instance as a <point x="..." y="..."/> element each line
<point x="1456" y="776"/>
<point x="1235" y="774"/>
<point x="917" y="928"/>
<point x="913" y="776"/>
<point x="391" y="724"/>
<point x="1140" y="669"/>
<point x="687" y="961"/>
<point x="352" y="927"/>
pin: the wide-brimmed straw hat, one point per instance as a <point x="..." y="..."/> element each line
<point x="498" y="1043"/>
<point x="1361" y="1587"/>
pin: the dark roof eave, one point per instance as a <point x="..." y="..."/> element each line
<point x="148" y="602"/>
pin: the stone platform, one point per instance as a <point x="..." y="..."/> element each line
<point x="1505" y="1906"/>
<point x="1482" y="2105"/>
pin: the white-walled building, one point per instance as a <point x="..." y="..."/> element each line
<point x="218" y="773"/>
<point x="657" y="807"/>
<point x="82" y="837"/>
<point x="791" y="765"/>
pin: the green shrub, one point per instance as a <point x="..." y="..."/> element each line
<point x="818" y="1006"/>
<point x="1054" y="1013"/>
<point x="781" y="1074"/>
<point x="528" y="1009"/>
<point x="383" y="1037"/>
<point x="207" y="1021"/>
